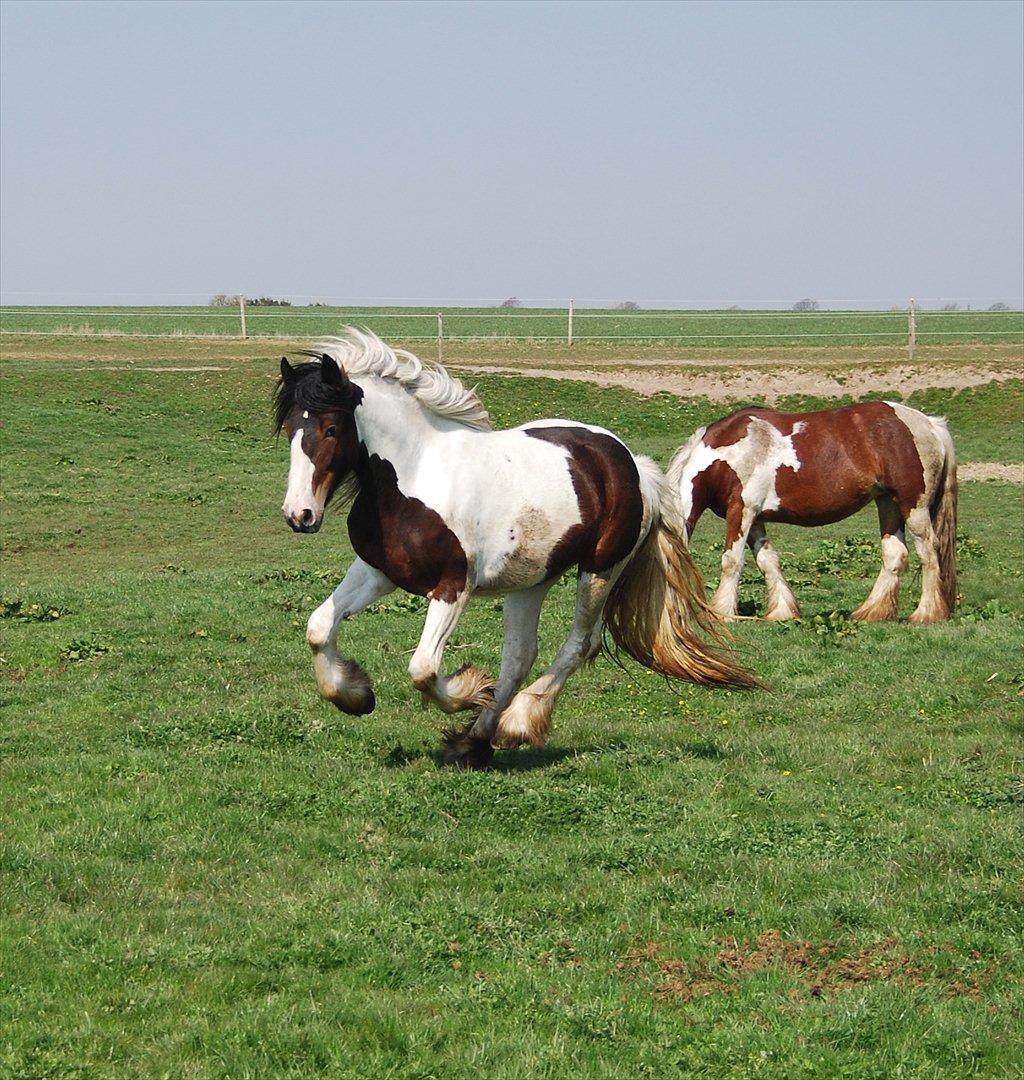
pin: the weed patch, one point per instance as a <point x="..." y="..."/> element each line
<point x="81" y="649"/>
<point x="29" y="612"/>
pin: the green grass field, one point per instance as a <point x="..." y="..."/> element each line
<point x="208" y="872"/>
<point x="707" y="329"/>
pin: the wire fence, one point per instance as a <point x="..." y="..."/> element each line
<point x="571" y="324"/>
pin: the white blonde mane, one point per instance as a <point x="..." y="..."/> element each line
<point x="361" y="352"/>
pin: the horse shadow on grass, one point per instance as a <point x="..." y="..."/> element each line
<point x="522" y="760"/>
<point x="749" y="609"/>
<point x="530" y="758"/>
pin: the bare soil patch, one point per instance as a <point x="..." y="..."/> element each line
<point x="772" y="385"/>
<point x="816" y="969"/>
<point x="1012" y="473"/>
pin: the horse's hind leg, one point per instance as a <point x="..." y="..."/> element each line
<point x="738" y="522"/>
<point x="470" y="747"/>
<point x="528" y="716"/>
<point x="781" y="601"/>
<point x="884" y="599"/>
<point x="932" y="608"/>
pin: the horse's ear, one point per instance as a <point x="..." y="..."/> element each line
<point x="287" y="374"/>
<point x="332" y="372"/>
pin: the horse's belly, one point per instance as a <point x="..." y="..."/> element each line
<point x="819" y="496"/>
<point x="520" y="554"/>
<point x="816" y="515"/>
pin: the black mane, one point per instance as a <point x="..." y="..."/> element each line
<point x="307" y="389"/>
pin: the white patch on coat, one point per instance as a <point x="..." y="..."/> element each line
<point x="927" y="440"/>
<point x="755" y="459"/>
<point x="515" y="534"/>
<point x="701" y="458"/>
<point x="300" y="495"/>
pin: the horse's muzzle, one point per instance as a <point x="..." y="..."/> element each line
<point x="304" y="521"/>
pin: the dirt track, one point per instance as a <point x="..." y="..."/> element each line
<point x="767" y="386"/>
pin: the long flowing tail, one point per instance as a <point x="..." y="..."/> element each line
<point x="943" y="513"/>
<point x="657" y="612"/>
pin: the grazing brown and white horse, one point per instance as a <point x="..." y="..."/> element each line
<point x="759" y="465"/>
<point x="444" y="507"/>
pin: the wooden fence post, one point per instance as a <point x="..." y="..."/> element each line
<point x="440" y="336"/>
<point x="572" y="306"/>
<point x="912" y="327"/>
<point x="241" y="313"/>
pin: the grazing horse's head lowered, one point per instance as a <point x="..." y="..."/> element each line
<point x="315" y="408"/>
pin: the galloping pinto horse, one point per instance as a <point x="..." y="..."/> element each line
<point x="443" y="507"/>
<point x="814" y="468"/>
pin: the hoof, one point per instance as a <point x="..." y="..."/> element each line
<point x="470" y="687"/>
<point x="869" y="616"/>
<point x="355" y="702"/>
<point x="502" y="740"/>
<point x="344" y="684"/>
<point x="883" y="612"/>
<point x="461" y="751"/>
<point x="526" y="720"/>
<point x="783" y="613"/>
<point x="926" y="618"/>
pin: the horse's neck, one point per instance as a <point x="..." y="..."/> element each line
<point x="395" y="427"/>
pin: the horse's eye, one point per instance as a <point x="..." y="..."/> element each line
<point x="330" y="432"/>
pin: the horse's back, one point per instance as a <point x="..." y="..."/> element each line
<point x="552" y="494"/>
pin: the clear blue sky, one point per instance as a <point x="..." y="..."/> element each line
<point x="694" y="154"/>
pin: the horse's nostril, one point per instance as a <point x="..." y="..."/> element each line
<point x="307" y="516"/>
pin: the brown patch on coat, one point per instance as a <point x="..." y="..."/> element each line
<point x="402" y="536"/>
<point x="607" y="485"/>
<point x="332" y="455"/>
<point x="714" y="489"/>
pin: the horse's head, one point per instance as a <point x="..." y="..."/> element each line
<point x="315" y="407"/>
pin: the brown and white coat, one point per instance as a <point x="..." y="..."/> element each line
<point x="759" y="465"/>
<point x="443" y="507"/>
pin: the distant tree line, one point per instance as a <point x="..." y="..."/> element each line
<point x="624" y="305"/>
<point x="230" y="300"/>
<point x="227" y="300"/>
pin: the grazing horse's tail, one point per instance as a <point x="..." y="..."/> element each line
<point x="943" y="514"/>
<point x="657" y="612"/>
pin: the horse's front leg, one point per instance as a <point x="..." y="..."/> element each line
<point x="343" y="681"/>
<point x="469" y="687"/>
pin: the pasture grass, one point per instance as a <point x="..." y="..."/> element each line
<point x="208" y="872"/>
<point x="700" y="329"/>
